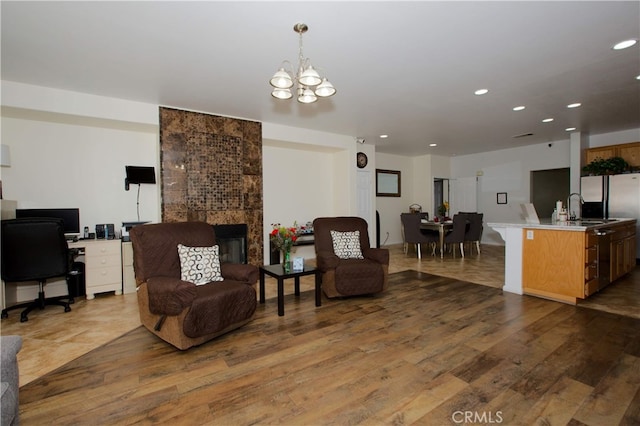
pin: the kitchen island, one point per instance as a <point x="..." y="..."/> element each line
<point x="566" y="261"/>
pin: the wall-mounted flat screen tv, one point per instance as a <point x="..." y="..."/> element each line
<point x="70" y="217"/>
<point x="139" y="174"/>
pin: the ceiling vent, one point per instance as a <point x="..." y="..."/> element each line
<point x="524" y="135"/>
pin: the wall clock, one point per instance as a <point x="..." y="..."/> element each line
<point x="362" y="160"/>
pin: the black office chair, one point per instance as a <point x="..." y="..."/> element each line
<point x="34" y="249"/>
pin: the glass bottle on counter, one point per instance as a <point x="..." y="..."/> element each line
<point x="554" y="215"/>
<point x="563" y="216"/>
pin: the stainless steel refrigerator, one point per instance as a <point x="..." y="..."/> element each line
<point x="615" y="196"/>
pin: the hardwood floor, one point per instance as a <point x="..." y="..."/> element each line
<point x="427" y="349"/>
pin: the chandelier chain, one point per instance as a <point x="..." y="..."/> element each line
<point x="300" y="56"/>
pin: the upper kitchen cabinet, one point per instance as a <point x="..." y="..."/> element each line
<point x="629" y="151"/>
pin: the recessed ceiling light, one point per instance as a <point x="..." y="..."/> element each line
<point x="570" y="129"/>
<point x="384" y="136"/>
<point x="574" y="105"/>
<point x="481" y="91"/>
<point x="624" y="44"/>
<point x="433" y="144"/>
<point x="547" y="120"/>
<point x="519" y="108"/>
<point x="638" y="77"/>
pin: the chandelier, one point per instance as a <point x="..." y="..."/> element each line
<point x="309" y="84"/>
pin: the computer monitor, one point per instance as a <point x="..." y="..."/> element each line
<point x="70" y="217"/>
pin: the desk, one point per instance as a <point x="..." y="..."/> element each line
<point x="277" y="272"/>
<point x="103" y="265"/>
<point x="441" y="227"/>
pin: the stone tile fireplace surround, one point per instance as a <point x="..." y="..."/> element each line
<point x="211" y="171"/>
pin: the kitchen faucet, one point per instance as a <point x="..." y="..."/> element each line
<point x="572" y="214"/>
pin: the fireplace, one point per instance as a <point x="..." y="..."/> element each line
<point x="232" y="240"/>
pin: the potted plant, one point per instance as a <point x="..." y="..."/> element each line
<point x="608" y="166"/>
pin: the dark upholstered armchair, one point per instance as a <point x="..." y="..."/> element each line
<point x="179" y="311"/>
<point x="349" y="275"/>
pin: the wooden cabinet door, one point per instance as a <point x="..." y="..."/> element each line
<point x="604" y="153"/>
<point x="591" y="276"/>
<point x="631" y="153"/>
<point x="617" y="260"/>
<point x="629" y="253"/>
<point x="623" y="251"/>
<point x="553" y="264"/>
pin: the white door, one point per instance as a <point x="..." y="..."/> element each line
<point x="364" y="191"/>
<point x="464" y="195"/>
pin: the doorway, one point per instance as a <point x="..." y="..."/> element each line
<point x="547" y="187"/>
<point x="440" y="193"/>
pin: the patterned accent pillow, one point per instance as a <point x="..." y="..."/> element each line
<point x="199" y="265"/>
<point x="346" y="245"/>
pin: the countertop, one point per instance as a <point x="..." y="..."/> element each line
<point x="575" y="225"/>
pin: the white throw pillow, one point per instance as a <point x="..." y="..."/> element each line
<point x="199" y="265"/>
<point x="346" y="245"/>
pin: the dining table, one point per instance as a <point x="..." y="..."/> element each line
<point x="442" y="227"/>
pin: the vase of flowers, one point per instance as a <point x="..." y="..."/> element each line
<point x="283" y="238"/>
<point x="442" y="210"/>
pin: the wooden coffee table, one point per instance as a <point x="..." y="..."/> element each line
<point x="277" y="272"/>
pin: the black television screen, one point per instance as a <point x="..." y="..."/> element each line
<point x="70" y="217"/>
<point x="140" y="174"/>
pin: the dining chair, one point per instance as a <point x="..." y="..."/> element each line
<point x="423" y="216"/>
<point x="456" y="236"/>
<point x="473" y="233"/>
<point x="414" y="235"/>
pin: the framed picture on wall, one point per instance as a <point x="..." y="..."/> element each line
<point x="387" y="183"/>
<point x="501" y="197"/>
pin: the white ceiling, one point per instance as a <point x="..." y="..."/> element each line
<point x="406" y="69"/>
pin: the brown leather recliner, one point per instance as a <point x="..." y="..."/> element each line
<point x="181" y="312"/>
<point x="349" y="277"/>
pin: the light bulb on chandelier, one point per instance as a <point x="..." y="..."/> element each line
<point x="309" y="84"/>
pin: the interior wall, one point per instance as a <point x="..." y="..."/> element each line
<point x="89" y="139"/>
<point x="302" y="182"/>
<point x="308" y="173"/>
<point x="425" y="169"/>
<point x="508" y="171"/>
<point x="343" y="166"/>
<point x="61" y="161"/>
<point x="614" y="138"/>
<point x="391" y="207"/>
<point x="366" y="196"/>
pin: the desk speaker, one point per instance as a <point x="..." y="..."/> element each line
<point x="105" y="231"/>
